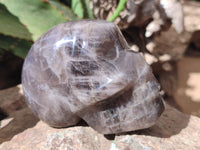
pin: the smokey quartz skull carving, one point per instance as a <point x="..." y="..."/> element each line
<point x="85" y="70"/>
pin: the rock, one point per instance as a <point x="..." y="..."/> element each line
<point x="17" y="122"/>
<point x="70" y="74"/>
<point x="11" y="99"/>
<point x="166" y="72"/>
<point x="16" y="116"/>
<point x="180" y="81"/>
<point x="195" y="39"/>
<point x="141" y="20"/>
<point x="191" y="18"/>
<point x="171" y="43"/>
<point x="174" y="11"/>
<point x="139" y="13"/>
<point x="174" y="130"/>
<point x="193" y="48"/>
<point x="44" y="137"/>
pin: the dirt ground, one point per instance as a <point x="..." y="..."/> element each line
<point x="180" y="78"/>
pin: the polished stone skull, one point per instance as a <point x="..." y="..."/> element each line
<point x="85" y="70"/>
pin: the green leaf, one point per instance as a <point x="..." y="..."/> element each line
<point x="87" y="11"/>
<point x="10" y="25"/>
<point x="119" y="8"/>
<point x="64" y="10"/>
<point x="19" y="47"/>
<point x="37" y="15"/>
<point x="77" y="8"/>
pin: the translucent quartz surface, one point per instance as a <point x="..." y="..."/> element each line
<point x="84" y="69"/>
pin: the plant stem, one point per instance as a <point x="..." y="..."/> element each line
<point x="120" y="7"/>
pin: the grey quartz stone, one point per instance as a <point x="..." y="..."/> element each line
<point x="85" y="69"/>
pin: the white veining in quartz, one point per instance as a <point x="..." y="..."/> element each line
<point x="84" y="69"/>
